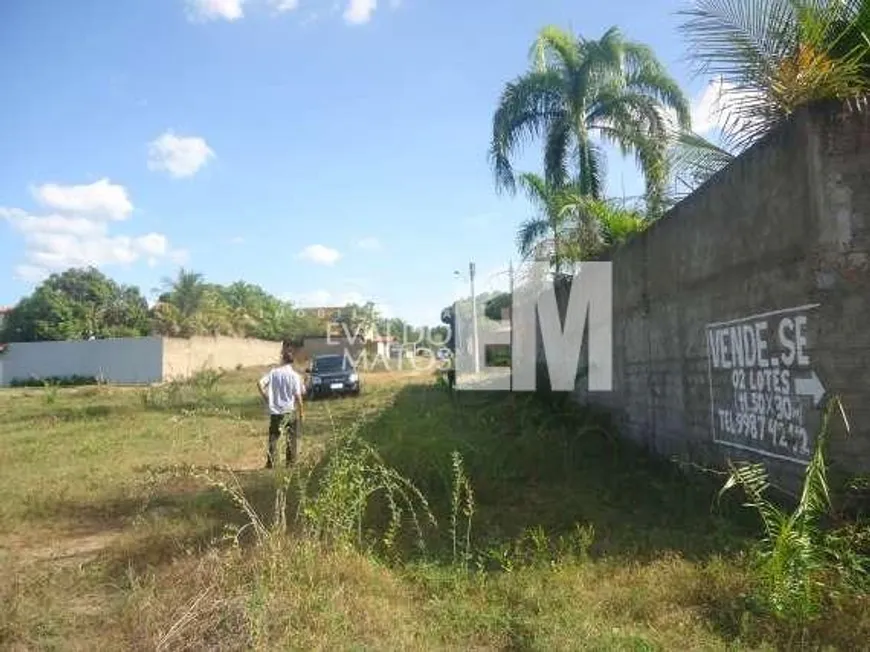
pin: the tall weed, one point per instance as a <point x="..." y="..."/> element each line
<point x="461" y="500"/>
<point x="348" y="497"/>
<point x="50" y="391"/>
<point x="340" y="491"/>
<point x="796" y="559"/>
<point x="198" y="390"/>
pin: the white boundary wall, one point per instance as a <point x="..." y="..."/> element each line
<point x="131" y="360"/>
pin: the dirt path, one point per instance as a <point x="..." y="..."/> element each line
<point x="58" y="546"/>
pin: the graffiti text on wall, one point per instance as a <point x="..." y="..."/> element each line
<point x="764" y="392"/>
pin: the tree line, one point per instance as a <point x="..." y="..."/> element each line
<point x="82" y="303"/>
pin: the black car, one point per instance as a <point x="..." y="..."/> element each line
<point x="332" y="375"/>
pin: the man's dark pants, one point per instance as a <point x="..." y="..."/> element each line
<point x="288" y="425"/>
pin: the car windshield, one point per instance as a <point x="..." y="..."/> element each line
<point x="331" y="363"/>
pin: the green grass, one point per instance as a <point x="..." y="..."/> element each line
<point x="114" y="531"/>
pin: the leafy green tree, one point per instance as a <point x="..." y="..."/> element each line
<point x="439" y="335"/>
<point x="612" y="88"/>
<point x="358" y="320"/>
<point x="76" y="304"/>
<point x="215" y="316"/>
<point x="166" y="320"/>
<point x="253" y="311"/>
<point x="495" y="306"/>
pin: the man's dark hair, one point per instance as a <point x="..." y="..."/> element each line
<point x="287" y="355"/>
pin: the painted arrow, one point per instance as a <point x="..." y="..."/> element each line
<point x="810" y="386"/>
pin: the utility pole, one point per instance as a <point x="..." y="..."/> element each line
<point x="511" y="319"/>
<point x="474" y="319"/>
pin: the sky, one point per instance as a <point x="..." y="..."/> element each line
<point x="330" y="151"/>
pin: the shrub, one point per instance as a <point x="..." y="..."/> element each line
<point x="54" y="381"/>
<point x="199" y="390"/>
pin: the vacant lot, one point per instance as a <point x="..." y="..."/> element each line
<point x="120" y="511"/>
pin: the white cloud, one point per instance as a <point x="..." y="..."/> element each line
<point x="77" y="234"/>
<point x="59" y="251"/>
<point x="319" y="254"/>
<point x="181" y="156"/>
<point x="237" y="240"/>
<point x="31" y="273"/>
<point x="99" y="200"/>
<point x="77" y="226"/>
<point x="369" y="243"/>
<point x="204" y="10"/>
<point x="716" y="105"/>
<point x="154" y="244"/>
<point x="707" y="113"/>
<point x="358" y="12"/>
<point x="285" y="5"/>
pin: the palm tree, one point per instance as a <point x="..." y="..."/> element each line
<point x="593" y="225"/>
<point x="774" y="56"/>
<point x="186" y="293"/>
<point x="571" y="226"/>
<point x="612" y="88"/>
<point x="539" y="237"/>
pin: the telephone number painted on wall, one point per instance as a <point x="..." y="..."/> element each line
<point x="764" y="392"/>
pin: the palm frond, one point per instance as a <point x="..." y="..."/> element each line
<point x="537" y="190"/>
<point x="556" y="148"/>
<point x="594" y="224"/>
<point x="591" y="163"/>
<point x="622" y="128"/>
<point x="694" y="159"/>
<point x="752" y="479"/>
<point x="777" y="55"/>
<point x="526" y="108"/>
<point x="555" y="47"/>
<point x="531" y="234"/>
<point x="646" y="75"/>
<point x="815" y="497"/>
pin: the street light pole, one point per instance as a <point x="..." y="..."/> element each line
<point x="511" y="315"/>
<point x="474" y="319"/>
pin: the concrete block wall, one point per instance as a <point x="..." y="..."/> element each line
<point x="774" y="250"/>
<point x="184" y="357"/>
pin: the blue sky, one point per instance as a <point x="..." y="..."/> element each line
<point x="325" y="150"/>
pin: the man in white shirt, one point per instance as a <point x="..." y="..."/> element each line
<point x="282" y="389"/>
